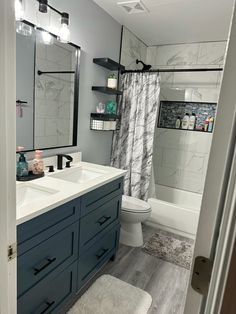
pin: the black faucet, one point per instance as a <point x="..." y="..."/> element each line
<point x="60" y="159"/>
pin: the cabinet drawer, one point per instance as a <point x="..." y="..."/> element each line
<point x="33" y="232"/>
<point x="92" y="260"/>
<point x="100" y="196"/>
<point x="98" y="220"/>
<point x="50" y="295"/>
<point x="55" y="219"/>
<point x="35" y="264"/>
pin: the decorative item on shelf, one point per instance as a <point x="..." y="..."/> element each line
<point x="104" y="122"/>
<point x="111" y="107"/>
<point x="100" y="108"/>
<point x="37" y="165"/>
<point x="112" y="81"/>
<point x="206" y="125"/>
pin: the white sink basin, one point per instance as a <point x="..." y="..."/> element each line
<point x="78" y="175"/>
<point x="27" y="193"/>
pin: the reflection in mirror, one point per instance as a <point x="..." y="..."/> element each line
<point x="47" y="83"/>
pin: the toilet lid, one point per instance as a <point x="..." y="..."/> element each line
<point x="134" y="204"/>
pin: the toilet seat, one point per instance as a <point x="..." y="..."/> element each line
<point x="134" y="205"/>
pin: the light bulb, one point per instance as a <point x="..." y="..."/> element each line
<point x="47" y="38"/>
<point x="64" y="33"/>
<point x="19" y="10"/>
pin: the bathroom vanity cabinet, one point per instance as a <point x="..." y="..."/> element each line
<point x="61" y="250"/>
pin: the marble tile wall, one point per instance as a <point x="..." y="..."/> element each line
<point x="54" y="97"/>
<point x="181" y="157"/>
<point x="132" y="49"/>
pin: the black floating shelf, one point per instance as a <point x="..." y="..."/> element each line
<point x="109" y="64"/>
<point x="107" y="90"/>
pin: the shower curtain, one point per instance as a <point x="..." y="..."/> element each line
<point x="132" y="146"/>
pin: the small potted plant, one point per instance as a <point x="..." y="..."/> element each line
<point x="112" y="81"/>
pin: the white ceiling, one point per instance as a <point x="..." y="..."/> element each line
<point x="175" y="21"/>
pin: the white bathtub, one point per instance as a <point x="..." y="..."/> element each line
<point x="176" y="210"/>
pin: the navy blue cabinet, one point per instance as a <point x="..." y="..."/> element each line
<point x="59" y="251"/>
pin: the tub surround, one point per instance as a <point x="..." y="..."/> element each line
<point x="62" y="191"/>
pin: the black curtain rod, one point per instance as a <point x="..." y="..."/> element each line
<point x="56" y="72"/>
<point x="174" y="70"/>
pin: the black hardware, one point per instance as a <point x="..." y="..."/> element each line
<point x="49" y="304"/>
<point x="21" y="102"/>
<point x="68" y="164"/>
<point x="104" y="219"/>
<point x="60" y="160"/>
<point x="50" y="168"/>
<point x="104" y="251"/>
<point x="201" y="274"/>
<point x="55" y="72"/>
<point x="49" y="262"/>
<point x="174" y="70"/>
<point x="146" y="67"/>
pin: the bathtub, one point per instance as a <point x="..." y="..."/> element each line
<point x="176" y="210"/>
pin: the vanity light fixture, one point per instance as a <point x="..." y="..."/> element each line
<point x="64" y="32"/>
<point x="19" y="10"/>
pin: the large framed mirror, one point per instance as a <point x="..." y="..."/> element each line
<point x="47" y="89"/>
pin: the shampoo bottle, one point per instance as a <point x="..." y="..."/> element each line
<point x="185" y="122"/>
<point x="22" y="165"/>
<point x="177" y="123"/>
<point x="38" y="165"/>
<point x="192" y="122"/>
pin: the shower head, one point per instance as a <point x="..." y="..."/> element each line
<point x="146" y="67"/>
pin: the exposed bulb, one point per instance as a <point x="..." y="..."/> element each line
<point x="19" y="10"/>
<point x="64" y="33"/>
<point x="47" y="38"/>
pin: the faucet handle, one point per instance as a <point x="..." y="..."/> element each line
<point x="50" y="168"/>
<point x="68" y="164"/>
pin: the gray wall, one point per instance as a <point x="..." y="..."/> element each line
<point x="98" y="34"/>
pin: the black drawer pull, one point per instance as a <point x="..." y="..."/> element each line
<point x="49" y="304"/>
<point x="104" y="251"/>
<point x="49" y="262"/>
<point x="103" y="219"/>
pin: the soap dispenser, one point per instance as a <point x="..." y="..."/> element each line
<point x="22" y="164"/>
<point x="37" y="164"/>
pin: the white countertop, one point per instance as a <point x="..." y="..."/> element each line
<point x="64" y="191"/>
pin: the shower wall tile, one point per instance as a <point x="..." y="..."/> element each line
<point x="132" y="49"/>
<point x="181" y="159"/>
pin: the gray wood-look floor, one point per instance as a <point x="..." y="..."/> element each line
<point x="166" y="282"/>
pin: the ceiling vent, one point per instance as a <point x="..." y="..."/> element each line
<point x="132" y="7"/>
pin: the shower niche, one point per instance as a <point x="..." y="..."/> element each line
<point x="170" y="111"/>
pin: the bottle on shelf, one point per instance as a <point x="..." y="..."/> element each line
<point x="178" y="123"/>
<point x="210" y="125"/>
<point x="185" y="122"/>
<point x="192" y="122"/>
<point x="38" y="164"/>
<point x="22" y="164"/>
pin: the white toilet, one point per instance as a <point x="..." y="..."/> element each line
<point x="133" y="213"/>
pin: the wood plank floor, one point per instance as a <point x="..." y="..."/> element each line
<point x="166" y="282"/>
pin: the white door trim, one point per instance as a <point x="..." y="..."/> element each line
<point x="218" y="171"/>
<point x="7" y="156"/>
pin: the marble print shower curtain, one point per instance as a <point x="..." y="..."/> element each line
<point x="132" y="146"/>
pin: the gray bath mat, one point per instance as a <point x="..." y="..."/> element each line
<point x="170" y="249"/>
<point x="109" y="295"/>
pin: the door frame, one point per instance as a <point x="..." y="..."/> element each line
<point x="8" y="294"/>
<point x="216" y="215"/>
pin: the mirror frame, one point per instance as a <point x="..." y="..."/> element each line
<point x="76" y="95"/>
